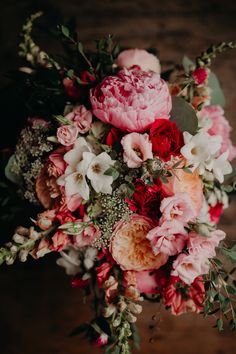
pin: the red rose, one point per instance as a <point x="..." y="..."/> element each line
<point x="102" y="273"/>
<point x="215" y="212"/>
<point x="166" y="139"/>
<point x="114" y="137"/>
<point x="146" y="200"/>
<point x="200" y="75"/>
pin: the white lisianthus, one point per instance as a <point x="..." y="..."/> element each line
<point x="97" y="165"/>
<point x="200" y="150"/>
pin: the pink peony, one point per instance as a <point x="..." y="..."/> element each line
<point x="169" y="238"/>
<point x="140" y="57"/>
<point x="203" y="245"/>
<point x="190" y="266"/>
<point x="137" y="149"/>
<point x="131" y="100"/>
<point x="130" y="247"/>
<point x="179" y="207"/>
<point x="67" y="134"/>
<point x="182" y="298"/>
<point x="81" y="118"/>
<point x="219" y="126"/>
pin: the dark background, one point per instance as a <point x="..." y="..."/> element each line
<point x="38" y="308"/>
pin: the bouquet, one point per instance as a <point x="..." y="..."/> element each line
<point x="126" y="165"/>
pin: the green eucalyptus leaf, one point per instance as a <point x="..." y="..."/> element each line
<point x="184" y="115"/>
<point x="220" y="324"/>
<point x="217" y="95"/>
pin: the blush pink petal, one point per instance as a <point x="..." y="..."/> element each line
<point x="137" y="149"/>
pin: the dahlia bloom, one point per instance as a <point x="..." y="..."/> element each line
<point x="131" y="100"/>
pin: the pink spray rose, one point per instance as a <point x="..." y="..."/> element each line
<point x="190" y="266"/>
<point x="169" y="238"/>
<point x="130" y="247"/>
<point x="81" y="118"/>
<point x="193" y="298"/>
<point x="131" y="100"/>
<point x="179" y="207"/>
<point x="67" y="134"/>
<point x="140" y="57"/>
<point x="137" y="149"/>
<point x="219" y="126"/>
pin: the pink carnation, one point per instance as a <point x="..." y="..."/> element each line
<point x="169" y="238"/>
<point x="190" y="266"/>
<point x="137" y="149"/>
<point x="67" y="134"/>
<point x="131" y="100"/>
<point x="179" y="207"/>
<point x="219" y="126"/>
<point x="203" y="245"/>
<point x="140" y="57"/>
<point x="81" y="118"/>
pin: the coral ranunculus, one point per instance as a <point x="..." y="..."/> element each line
<point x="130" y="248"/>
<point x="166" y="138"/>
<point x="131" y="100"/>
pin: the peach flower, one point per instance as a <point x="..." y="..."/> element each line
<point x="140" y="57"/>
<point x="190" y="183"/>
<point x="130" y="247"/>
<point x="137" y="149"/>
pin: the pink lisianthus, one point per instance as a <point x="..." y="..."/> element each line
<point x="140" y="57"/>
<point x="81" y="118"/>
<point x="190" y="266"/>
<point x="169" y="238"/>
<point x="90" y="233"/>
<point x="67" y="134"/>
<point x="179" y="207"/>
<point x="200" y="75"/>
<point x="59" y="241"/>
<point x="130" y="247"/>
<point x="193" y="299"/>
<point x="102" y="273"/>
<point x="131" y="100"/>
<point x="219" y="126"/>
<point x="137" y="149"/>
<point x="202" y="245"/>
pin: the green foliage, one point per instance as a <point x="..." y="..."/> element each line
<point x="184" y="115"/>
<point x="217" y="96"/>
